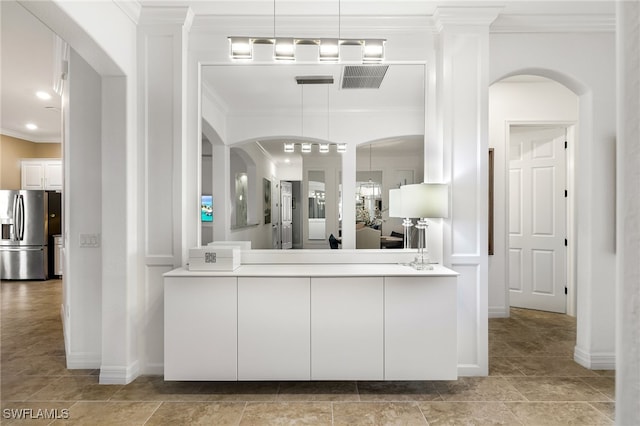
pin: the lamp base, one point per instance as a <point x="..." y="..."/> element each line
<point x="421" y="263"/>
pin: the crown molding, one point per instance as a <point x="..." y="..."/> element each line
<point x="31" y="138"/>
<point x="131" y="8"/>
<point x="170" y="15"/>
<point x="553" y="23"/>
<point x="465" y="16"/>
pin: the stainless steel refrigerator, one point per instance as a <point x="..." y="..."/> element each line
<point x="24" y="242"/>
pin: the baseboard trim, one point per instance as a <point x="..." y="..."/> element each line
<point x="471" y="370"/>
<point x="595" y="361"/>
<point x="83" y="360"/>
<point x="118" y="375"/>
<point x="498" y="312"/>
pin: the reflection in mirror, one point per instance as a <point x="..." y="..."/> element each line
<point x="316" y="205"/>
<point x="251" y="112"/>
<point x="380" y="166"/>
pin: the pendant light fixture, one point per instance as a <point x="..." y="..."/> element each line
<point x="370" y="189"/>
<point x="284" y="48"/>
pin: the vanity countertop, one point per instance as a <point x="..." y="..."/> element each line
<point x="320" y="270"/>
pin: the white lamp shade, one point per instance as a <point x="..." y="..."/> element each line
<point x="425" y="200"/>
<point x="395" y="203"/>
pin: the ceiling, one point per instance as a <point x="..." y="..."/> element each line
<point x="27" y="45"/>
<point x="27" y="67"/>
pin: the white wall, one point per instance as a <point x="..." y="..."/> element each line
<point x="82" y="214"/>
<point x="585" y="63"/>
<point x="516" y="103"/>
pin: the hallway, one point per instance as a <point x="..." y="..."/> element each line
<point x="533" y="380"/>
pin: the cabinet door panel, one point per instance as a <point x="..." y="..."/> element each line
<point x="273" y="328"/>
<point x="32" y="175"/>
<point x="420" y="328"/>
<point x="53" y="175"/>
<point x="200" y="320"/>
<point x="347" y="328"/>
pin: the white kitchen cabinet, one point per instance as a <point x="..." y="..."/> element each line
<point x="200" y="328"/>
<point x="347" y="328"/>
<point x="41" y="174"/>
<point x="273" y="328"/>
<point x="420" y="322"/>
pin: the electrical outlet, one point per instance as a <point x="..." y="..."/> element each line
<point x="90" y="240"/>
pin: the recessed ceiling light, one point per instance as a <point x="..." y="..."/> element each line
<point x="43" y="95"/>
<point x="31" y="126"/>
<point x="286" y="160"/>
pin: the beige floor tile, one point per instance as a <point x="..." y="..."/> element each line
<point x="479" y="389"/>
<point x="605" y="385"/>
<point x="468" y="413"/>
<point x="558" y="414"/>
<point x="76" y="388"/>
<point x="20" y="388"/>
<point x="551" y="367"/>
<point x="556" y="389"/>
<point x="154" y="388"/>
<point x="398" y="391"/>
<point x="502" y="366"/>
<point x="109" y="413"/>
<point x="377" y="413"/>
<point x="606" y="408"/>
<point x="197" y="413"/>
<point x="286" y="413"/>
<point x="318" y="391"/>
<point x="240" y="391"/>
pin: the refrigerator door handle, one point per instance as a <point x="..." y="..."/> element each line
<point x="21" y="219"/>
<point x="14" y="218"/>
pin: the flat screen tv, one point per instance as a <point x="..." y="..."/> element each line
<point x="206" y="208"/>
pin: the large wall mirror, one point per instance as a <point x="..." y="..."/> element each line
<point x="273" y="159"/>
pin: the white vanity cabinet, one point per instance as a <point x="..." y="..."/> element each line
<point x="347" y="328"/>
<point x="41" y="174"/>
<point x="273" y="328"/>
<point x="311" y="322"/>
<point x="200" y="328"/>
<point x="420" y="328"/>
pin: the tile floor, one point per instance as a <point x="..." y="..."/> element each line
<point x="532" y="381"/>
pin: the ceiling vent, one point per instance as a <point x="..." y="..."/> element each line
<point x="315" y="79"/>
<point x="363" y="76"/>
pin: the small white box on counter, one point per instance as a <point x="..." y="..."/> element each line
<point x="214" y="258"/>
<point x="244" y="245"/>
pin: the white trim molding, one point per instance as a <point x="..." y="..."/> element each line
<point x="118" y="375"/>
<point x="595" y="361"/>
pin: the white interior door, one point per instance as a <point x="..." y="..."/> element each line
<point x="537" y="218"/>
<point x="286" y="206"/>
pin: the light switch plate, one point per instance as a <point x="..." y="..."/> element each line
<point x="90" y="240"/>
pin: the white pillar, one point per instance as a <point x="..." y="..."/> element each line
<point x="162" y="58"/>
<point x="628" y="212"/>
<point x="462" y="73"/>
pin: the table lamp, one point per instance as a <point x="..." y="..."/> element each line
<point x="395" y="210"/>
<point x="424" y="201"/>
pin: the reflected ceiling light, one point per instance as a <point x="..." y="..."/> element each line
<point x="373" y="50"/>
<point x="323" y="148"/>
<point x="329" y="50"/>
<point x="289" y="147"/>
<point x="31" y="126"/>
<point x="285" y="49"/>
<point x="342" y="147"/>
<point x="43" y="95"/>
<point x="305" y="147"/>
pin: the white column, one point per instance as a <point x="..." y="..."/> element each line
<point x="628" y="212"/>
<point x="462" y="73"/>
<point x="162" y="37"/>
